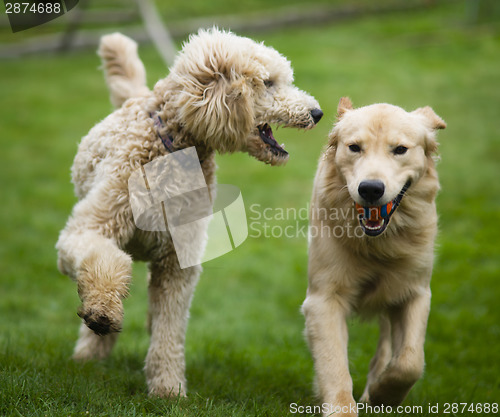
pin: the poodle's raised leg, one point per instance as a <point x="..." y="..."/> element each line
<point x="382" y="356"/>
<point x="170" y="293"/>
<point x="102" y="272"/>
<point x="93" y="346"/>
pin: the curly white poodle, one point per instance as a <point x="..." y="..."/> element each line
<point x="221" y="95"/>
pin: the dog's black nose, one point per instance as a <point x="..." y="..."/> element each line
<point x="316" y="114"/>
<point x="371" y="190"/>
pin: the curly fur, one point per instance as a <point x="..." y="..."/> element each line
<point x="221" y="93"/>
<point x="125" y="73"/>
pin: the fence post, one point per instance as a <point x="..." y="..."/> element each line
<point x="157" y="31"/>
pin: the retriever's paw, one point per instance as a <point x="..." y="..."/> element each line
<point x="365" y="398"/>
<point x="343" y="405"/>
<point x="394" y="384"/>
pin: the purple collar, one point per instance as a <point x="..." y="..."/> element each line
<point x="166" y="139"/>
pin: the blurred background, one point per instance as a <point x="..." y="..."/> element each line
<point x="245" y="350"/>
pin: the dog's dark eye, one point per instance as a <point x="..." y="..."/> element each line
<point x="400" y="150"/>
<point x="354" y="148"/>
<point x="268" y="83"/>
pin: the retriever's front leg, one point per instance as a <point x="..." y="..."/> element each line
<point x="327" y="334"/>
<point x="408" y="323"/>
<point x="382" y="357"/>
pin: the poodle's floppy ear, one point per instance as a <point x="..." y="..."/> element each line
<point x="345" y="104"/>
<point x="433" y="122"/>
<point x="218" y="111"/>
<point x="235" y="111"/>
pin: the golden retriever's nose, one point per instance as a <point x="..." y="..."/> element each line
<point x="371" y="190"/>
<point x="316" y="115"/>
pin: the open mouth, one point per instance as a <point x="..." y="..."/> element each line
<point x="266" y="135"/>
<point x="374" y="220"/>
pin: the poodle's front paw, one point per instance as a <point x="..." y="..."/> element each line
<point x="102" y="320"/>
<point x="166" y="391"/>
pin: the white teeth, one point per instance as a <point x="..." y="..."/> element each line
<point x="378" y="227"/>
<point x="283" y="145"/>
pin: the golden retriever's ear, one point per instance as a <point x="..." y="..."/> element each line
<point x="434" y="121"/>
<point x="333" y="140"/>
<point x="345" y="104"/>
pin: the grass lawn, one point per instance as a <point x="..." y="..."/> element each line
<point x="245" y="352"/>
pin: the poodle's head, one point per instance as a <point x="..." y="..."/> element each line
<point x="229" y="90"/>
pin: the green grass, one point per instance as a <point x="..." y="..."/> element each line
<point x="245" y="352"/>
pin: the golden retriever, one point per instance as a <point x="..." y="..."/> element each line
<point x="372" y="230"/>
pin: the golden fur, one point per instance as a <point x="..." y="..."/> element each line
<point x="389" y="274"/>
<point x="220" y="95"/>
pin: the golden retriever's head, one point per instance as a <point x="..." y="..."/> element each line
<point x="380" y="152"/>
<point x="229" y="89"/>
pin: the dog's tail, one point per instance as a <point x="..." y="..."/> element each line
<point x="123" y="69"/>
